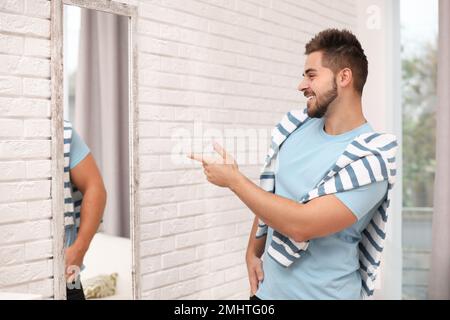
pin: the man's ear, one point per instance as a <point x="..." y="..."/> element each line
<point x="345" y="77"/>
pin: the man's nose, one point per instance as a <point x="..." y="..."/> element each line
<point x="303" y="85"/>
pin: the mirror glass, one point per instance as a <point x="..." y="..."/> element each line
<point x="96" y="128"/>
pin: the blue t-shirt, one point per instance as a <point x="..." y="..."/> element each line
<point x="78" y="150"/>
<point x="329" y="267"/>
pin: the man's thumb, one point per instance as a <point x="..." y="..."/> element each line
<point x="260" y="274"/>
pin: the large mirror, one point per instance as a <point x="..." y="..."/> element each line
<point x="94" y="149"/>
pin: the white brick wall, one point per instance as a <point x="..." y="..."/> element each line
<point x="25" y="205"/>
<point x="229" y="64"/>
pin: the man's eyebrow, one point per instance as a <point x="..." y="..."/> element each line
<point x="308" y="70"/>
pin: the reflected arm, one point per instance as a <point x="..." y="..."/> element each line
<point x="88" y="180"/>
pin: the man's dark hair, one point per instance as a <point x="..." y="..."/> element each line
<point x="341" y="49"/>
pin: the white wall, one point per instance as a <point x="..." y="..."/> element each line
<point x="228" y="64"/>
<point x="25" y="207"/>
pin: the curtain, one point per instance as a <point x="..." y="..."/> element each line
<point x="101" y="109"/>
<point x="439" y="281"/>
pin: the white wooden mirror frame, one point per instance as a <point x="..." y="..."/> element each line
<point x="57" y="89"/>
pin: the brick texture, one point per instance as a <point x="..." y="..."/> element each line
<point x="224" y="65"/>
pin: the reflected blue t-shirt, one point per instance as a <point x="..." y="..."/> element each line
<point x="329" y="267"/>
<point x="78" y="150"/>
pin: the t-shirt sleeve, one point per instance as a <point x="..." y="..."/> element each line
<point x="78" y="150"/>
<point x="363" y="199"/>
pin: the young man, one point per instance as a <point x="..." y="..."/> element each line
<point x="320" y="213"/>
<point x="83" y="181"/>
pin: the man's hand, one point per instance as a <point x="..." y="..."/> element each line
<point x="222" y="172"/>
<point x="74" y="257"/>
<point x="255" y="272"/>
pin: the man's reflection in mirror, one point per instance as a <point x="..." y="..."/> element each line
<point x="96" y="103"/>
<point x="84" y="204"/>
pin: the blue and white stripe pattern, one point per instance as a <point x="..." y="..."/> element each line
<point x="72" y="196"/>
<point x="369" y="158"/>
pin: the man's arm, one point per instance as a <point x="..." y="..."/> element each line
<point x="319" y="217"/>
<point x="255" y="249"/>
<point x="86" y="177"/>
<point x="255" y="246"/>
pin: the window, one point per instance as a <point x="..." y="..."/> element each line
<point x="419" y="76"/>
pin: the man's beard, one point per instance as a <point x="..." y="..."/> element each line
<point x="321" y="107"/>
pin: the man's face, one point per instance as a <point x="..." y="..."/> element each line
<point x="318" y="86"/>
